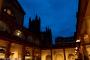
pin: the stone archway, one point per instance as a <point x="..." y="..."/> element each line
<point x="58" y="57"/>
<point x="48" y="57"/>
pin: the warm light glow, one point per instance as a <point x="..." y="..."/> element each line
<point x="28" y="57"/>
<point x="2" y="55"/>
<point x="14" y="55"/>
<point x="77" y="40"/>
<point x="75" y="51"/>
<point x="13" y="52"/>
<point x="76" y="48"/>
<point x="1" y="48"/>
<point x="9" y="12"/>
<point x="18" y="32"/>
<point x="5" y="10"/>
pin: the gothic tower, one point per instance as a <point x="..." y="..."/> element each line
<point x="34" y="25"/>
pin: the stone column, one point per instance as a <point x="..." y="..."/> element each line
<point x="51" y="53"/>
<point x="64" y="53"/>
<point x="23" y="53"/>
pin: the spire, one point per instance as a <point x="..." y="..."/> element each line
<point x="29" y="22"/>
<point x="36" y="18"/>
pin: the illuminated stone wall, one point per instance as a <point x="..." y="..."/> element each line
<point x="16" y="51"/>
<point x="84" y="24"/>
<point x="2" y="45"/>
<point x="70" y="53"/>
<point x="44" y="53"/>
<point x="29" y="49"/>
<point x="58" y="54"/>
<point x="88" y="50"/>
<point x="85" y="27"/>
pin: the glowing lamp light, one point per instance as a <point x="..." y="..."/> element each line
<point x="76" y="48"/>
<point x="5" y="10"/>
<point x="28" y="57"/>
<point x="18" y="32"/>
<point x="77" y="40"/>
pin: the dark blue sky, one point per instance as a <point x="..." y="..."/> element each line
<point x="59" y="15"/>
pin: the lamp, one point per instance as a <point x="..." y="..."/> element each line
<point x="78" y="41"/>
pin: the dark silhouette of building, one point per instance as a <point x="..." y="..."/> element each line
<point x="34" y="25"/>
<point x="46" y="38"/>
<point x="11" y="8"/>
<point x="26" y="42"/>
<point x="65" y="42"/>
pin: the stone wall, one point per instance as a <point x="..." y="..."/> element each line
<point x="58" y="54"/>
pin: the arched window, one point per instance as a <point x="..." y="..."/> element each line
<point x="48" y="57"/>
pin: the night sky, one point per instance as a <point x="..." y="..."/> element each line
<point x="59" y="15"/>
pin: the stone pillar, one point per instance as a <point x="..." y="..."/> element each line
<point x="33" y="51"/>
<point x="40" y="53"/>
<point x="64" y="54"/>
<point x="51" y="53"/>
<point x="7" y="53"/>
<point x="23" y="53"/>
